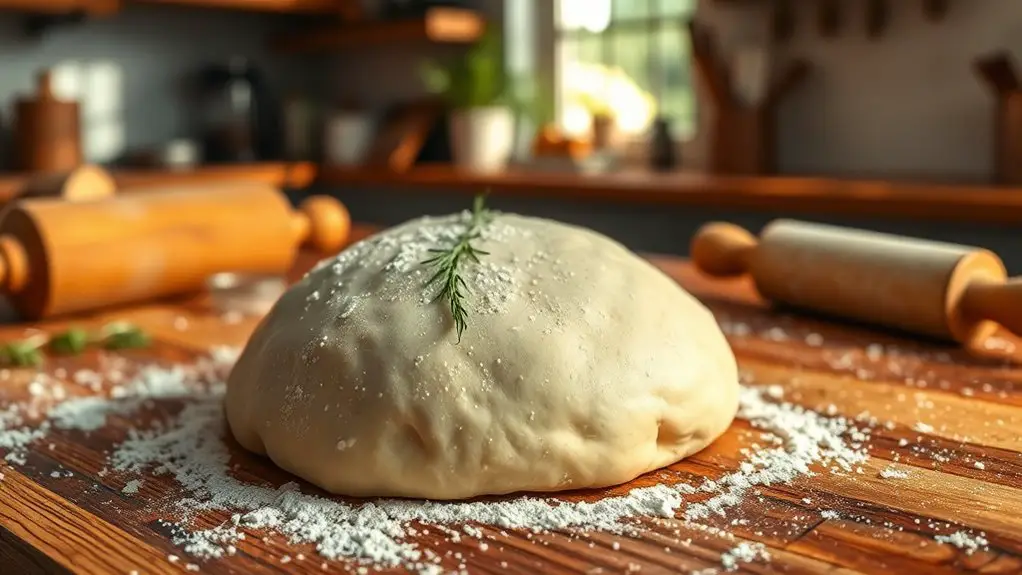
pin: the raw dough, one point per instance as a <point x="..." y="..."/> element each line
<point x="582" y="366"/>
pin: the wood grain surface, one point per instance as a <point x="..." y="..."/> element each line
<point x="83" y="523"/>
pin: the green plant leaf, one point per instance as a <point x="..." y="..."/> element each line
<point x="475" y="79"/>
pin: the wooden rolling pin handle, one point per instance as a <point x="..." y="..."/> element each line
<point x="722" y="250"/>
<point x="321" y="223"/>
<point x="997" y="301"/>
<point x="13" y="265"/>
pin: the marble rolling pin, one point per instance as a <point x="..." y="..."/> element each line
<point x="940" y="290"/>
<point x="60" y="257"/>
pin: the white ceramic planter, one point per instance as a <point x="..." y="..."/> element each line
<point x="348" y="138"/>
<point x="482" y="138"/>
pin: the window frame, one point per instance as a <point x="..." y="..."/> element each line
<point x="636" y="150"/>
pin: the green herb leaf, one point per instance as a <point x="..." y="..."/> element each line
<point x="24" y="353"/>
<point x="447" y="261"/>
<point x="71" y="342"/>
<point x="125" y="336"/>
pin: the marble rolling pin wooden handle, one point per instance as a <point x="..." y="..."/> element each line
<point x="60" y="257"/>
<point x="940" y="290"/>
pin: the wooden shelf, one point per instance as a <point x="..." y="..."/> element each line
<point x="281" y="174"/>
<point x="337" y="7"/>
<point x="962" y="203"/>
<point x="61" y="6"/>
<point x="280" y="6"/>
<point x="440" y="25"/>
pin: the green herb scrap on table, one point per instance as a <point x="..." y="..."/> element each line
<point x="447" y="262"/>
<point x="29" y="351"/>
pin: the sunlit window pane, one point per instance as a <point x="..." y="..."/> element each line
<point x="675" y="7"/>
<point x="633" y="66"/>
<point x="631" y="53"/>
<point x="630" y="9"/>
<point x="591" y="15"/>
<point x="676" y="89"/>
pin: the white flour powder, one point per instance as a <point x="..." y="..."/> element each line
<point x="793" y="442"/>
<point x="968" y="542"/>
<point x="744" y="553"/>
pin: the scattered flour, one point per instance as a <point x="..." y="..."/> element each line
<point x="814" y="340"/>
<point x="892" y="472"/>
<point x="190" y="448"/>
<point x="968" y="542"/>
<point x="792" y="442"/>
<point x="743" y="553"/>
<point x="801" y="439"/>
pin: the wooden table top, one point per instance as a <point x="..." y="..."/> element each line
<point x="967" y="477"/>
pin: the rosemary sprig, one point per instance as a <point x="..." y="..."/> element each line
<point x="447" y="262"/>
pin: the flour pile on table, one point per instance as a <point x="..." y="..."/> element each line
<point x="792" y="442"/>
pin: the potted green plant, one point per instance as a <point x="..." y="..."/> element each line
<point x="482" y="119"/>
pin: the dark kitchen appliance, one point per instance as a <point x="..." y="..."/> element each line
<point x="241" y="118"/>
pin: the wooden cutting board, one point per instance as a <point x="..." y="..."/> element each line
<point x="85" y="524"/>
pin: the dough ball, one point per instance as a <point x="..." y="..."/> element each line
<point x="581" y="365"/>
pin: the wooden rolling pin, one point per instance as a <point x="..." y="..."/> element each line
<point x="60" y="257"/>
<point x="941" y="290"/>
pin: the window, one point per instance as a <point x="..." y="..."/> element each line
<point x="627" y="58"/>
<point x="98" y="87"/>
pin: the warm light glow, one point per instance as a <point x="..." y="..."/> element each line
<point x="591" y="15"/>
<point x="98" y="86"/>
<point x="593" y="88"/>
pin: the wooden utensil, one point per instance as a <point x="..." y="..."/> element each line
<point x="998" y="71"/>
<point x="877" y="16"/>
<point x="751" y="74"/>
<point x="941" y="290"/>
<point x="403" y="134"/>
<point x="709" y="65"/>
<point x="935" y="9"/>
<point x="783" y="20"/>
<point x="60" y="257"/>
<point x="46" y="131"/>
<point x="829" y="17"/>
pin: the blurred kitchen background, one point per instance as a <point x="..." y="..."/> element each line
<point x="640" y="118"/>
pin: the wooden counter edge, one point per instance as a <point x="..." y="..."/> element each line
<point x="804" y="195"/>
